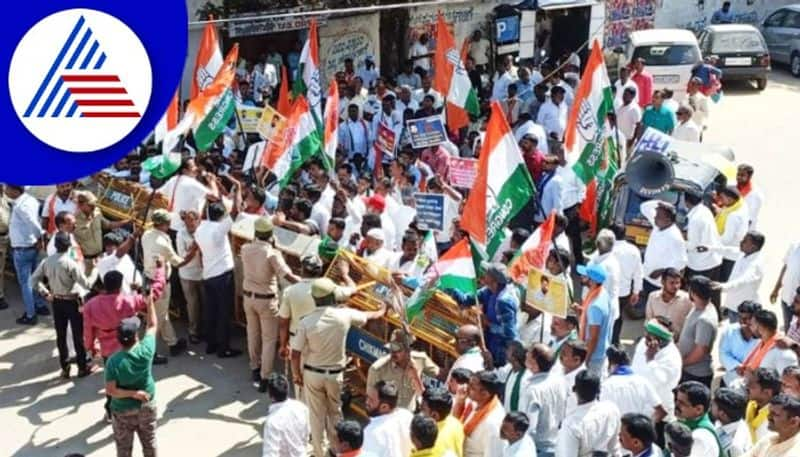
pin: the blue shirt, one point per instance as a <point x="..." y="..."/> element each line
<point x="662" y="119"/>
<point x="599" y="314"/>
<point x="733" y="348"/>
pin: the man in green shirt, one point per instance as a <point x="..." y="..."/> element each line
<point x="658" y="116"/>
<point x="130" y="384"/>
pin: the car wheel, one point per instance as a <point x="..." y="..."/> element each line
<point x="795" y="64"/>
<point x="761" y="84"/>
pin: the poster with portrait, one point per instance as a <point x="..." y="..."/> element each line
<point x="547" y="293"/>
<point x="626" y="16"/>
<point x="270" y="122"/>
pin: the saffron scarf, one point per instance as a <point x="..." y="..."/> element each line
<point x="51" y="215"/>
<point x="753" y="360"/>
<point x="474" y="420"/>
<point x="754" y="418"/>
<point x="722" y="217"/>
<point x="590" y="297"/>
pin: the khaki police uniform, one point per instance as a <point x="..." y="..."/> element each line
<point x="321" y="336"/>
<point x="5" y="215"/>
<point x="384" y="369"/>
<point x="262" y="266"/>
<point x="156" y="243"/>
<point x="89" y="235"/>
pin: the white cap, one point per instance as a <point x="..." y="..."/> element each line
<point x="376" y="234"/>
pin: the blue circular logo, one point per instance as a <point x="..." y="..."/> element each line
<point x="86" y="84"/>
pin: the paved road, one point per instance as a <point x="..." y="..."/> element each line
<point x="207" y="406"/>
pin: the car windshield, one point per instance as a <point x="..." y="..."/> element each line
<point x="660" y="55"/>
<point x="730" y="42"/>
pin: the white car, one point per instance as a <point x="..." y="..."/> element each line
<point x="669" y="56"/>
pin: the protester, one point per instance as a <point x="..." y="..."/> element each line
<point x="286" y="427"/>
<point x="593" y="426"/>
<point x="728" y="407"/>
<point x="482" y="417"/>
<point x="387" y="433"/>
<point x="692" y="404"/>
<point x="699" y="333"/>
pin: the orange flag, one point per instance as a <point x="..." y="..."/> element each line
<point x="534" y="252"/>
<point x="284" y="101"/>
<point x="208" y="61"/>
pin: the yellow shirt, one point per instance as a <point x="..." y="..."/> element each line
<point x="451" y="437"/>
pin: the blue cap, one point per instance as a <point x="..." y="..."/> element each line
<point x="594" y="272"/>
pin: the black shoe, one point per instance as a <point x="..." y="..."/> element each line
<point x="3" y="303"/>
<point x="43" y="311"/>
<point x="25" y="320"/>
<point x="257" y="375"/>
<point x="262" y="386"/>
<point x="65" y="372"/>
<point x="177" y="348"/>
<point x="194" y="339"/>
<point x="159" y="359"/>
<point x="86" y="371"/>
<point x="211" y="348"/>
<point x="229" y="353"/>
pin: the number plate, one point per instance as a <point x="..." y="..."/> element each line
<point x="667" y="79"/>
<point x="738" y="61"/>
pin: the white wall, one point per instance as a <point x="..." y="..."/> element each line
<point x="687" y="13"/>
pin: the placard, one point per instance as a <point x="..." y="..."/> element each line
<point x="250" y="117"/>
<point x="270" y="122"/>
<point x="385" y="140"/>
<point x="426" y="132"/>
<point x="547" y="293"/>
<point x="462" y="172"/>
<point x="430" y="211"/>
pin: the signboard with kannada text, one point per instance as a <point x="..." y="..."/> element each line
<point x="430" y="211"/>
<point x="462" y="172"/>
<point x="426" y="132"/>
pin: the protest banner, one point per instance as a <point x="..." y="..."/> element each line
<point x="430" y="211"/>
<point x="547" y="293"/>
<point x="250" y="117"/>
<point x="385" y="139"/>
<point x="270" y="122"/>
<point x="426" y="132"/>
<point x="462" y="172"/>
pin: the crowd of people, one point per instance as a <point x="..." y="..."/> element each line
<point x="526" y="382"/>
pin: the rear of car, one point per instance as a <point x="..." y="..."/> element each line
<point x="669" y="56"/>
<point x="741" y="51"/>
<point x="781" y="30"/>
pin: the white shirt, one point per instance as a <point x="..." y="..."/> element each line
<point x="184" y="194"/>
<point x="630" y="267"/>
<point x="699" y="102"/>
<point x="621" y="89"/>
<point x="354" y="137"/>
<point x="525" y="447"/>
<point x="568" y="381"/>
<point x="778" y="359"/>
<point x="381" y="257"/>
<point x="734" y="438"/>
<point x="532" y="128"/>
<point x="419" y="49"/>
<point x="573" y="190"/>
<point x="791" y="277"/>
<point x="286" y="430"/>
<point x="745" y="279"/>
<point x="553" y="118"/>
<point x="663" y="372"/>
<point x="631" y="393"/>
<point x="754" y="200"/>
<point x="593" y="426"/>
<point x="687" y="131"/>
<point x="551" y="198"/>
<point x="124" y="265"/>
<point x="511" y="379"/>
<point x="321" y="215"/>
<point x="419" y="95"/>
<point x="611" y="284"/>
<point x="500" y="89"/>
<point x="736" y="226"/>
<point x="628" y="116"/>
<point x="665" y="248"/>
<point x="389" y="435"/>
<point x="402" y="106"/>
<point x="485" y="438"/>
<point x="545" y="403"/>
<point x="701" y="230"/>
<point x="533" y="331"/>
<point x="24" y="226"/>
<point x="472" y="360"/>
<point x="212" y="239"/>
<point x="59" y="206"/>
<point x="705" y="443"/>
<point x="192" y="271"/>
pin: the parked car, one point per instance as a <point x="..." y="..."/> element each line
<point x="669" y="55"/>
<point x="781" y="30"/>
<point x="741" y="51"/>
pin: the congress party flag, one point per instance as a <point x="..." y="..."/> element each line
<point x="451" y="78"/>
<point x="208" y="61"/>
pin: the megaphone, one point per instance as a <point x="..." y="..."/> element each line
<point x="649" y="174"/>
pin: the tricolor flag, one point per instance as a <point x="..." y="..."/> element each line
<point x="331" y="126"/>
<point x="295" y="144"/>
<point x="168" y="133"/>
<point x="502" y="187"/>
<point x="451" y="78"/>
<point x="308" y="84"/>
<point x="533" y="252"/>
<point x="214" y="107"/>
<point x="454" y="270"/>
<point x="284" y="100"/>
<point x="588" y="135"/>
<point x="208" y="62"/>
<point x="169" y="120"/>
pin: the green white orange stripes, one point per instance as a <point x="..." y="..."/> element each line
<point x="453" y="270"/>
<point x="300" y="141"/>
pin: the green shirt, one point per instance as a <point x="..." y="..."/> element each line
<point x="660" y="119"/>
<point x="132" y="369"/>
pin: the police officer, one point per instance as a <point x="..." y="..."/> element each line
<point x="5" y="215"/>
<point x="404" y="367"/>
<point x="320" y="338"/>
<point x="262" y="266"/>
<point x="297" y="301"/>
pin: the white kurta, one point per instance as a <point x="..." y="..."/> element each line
<point x="389" y="435"/>
<point x="485" y="439"/>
